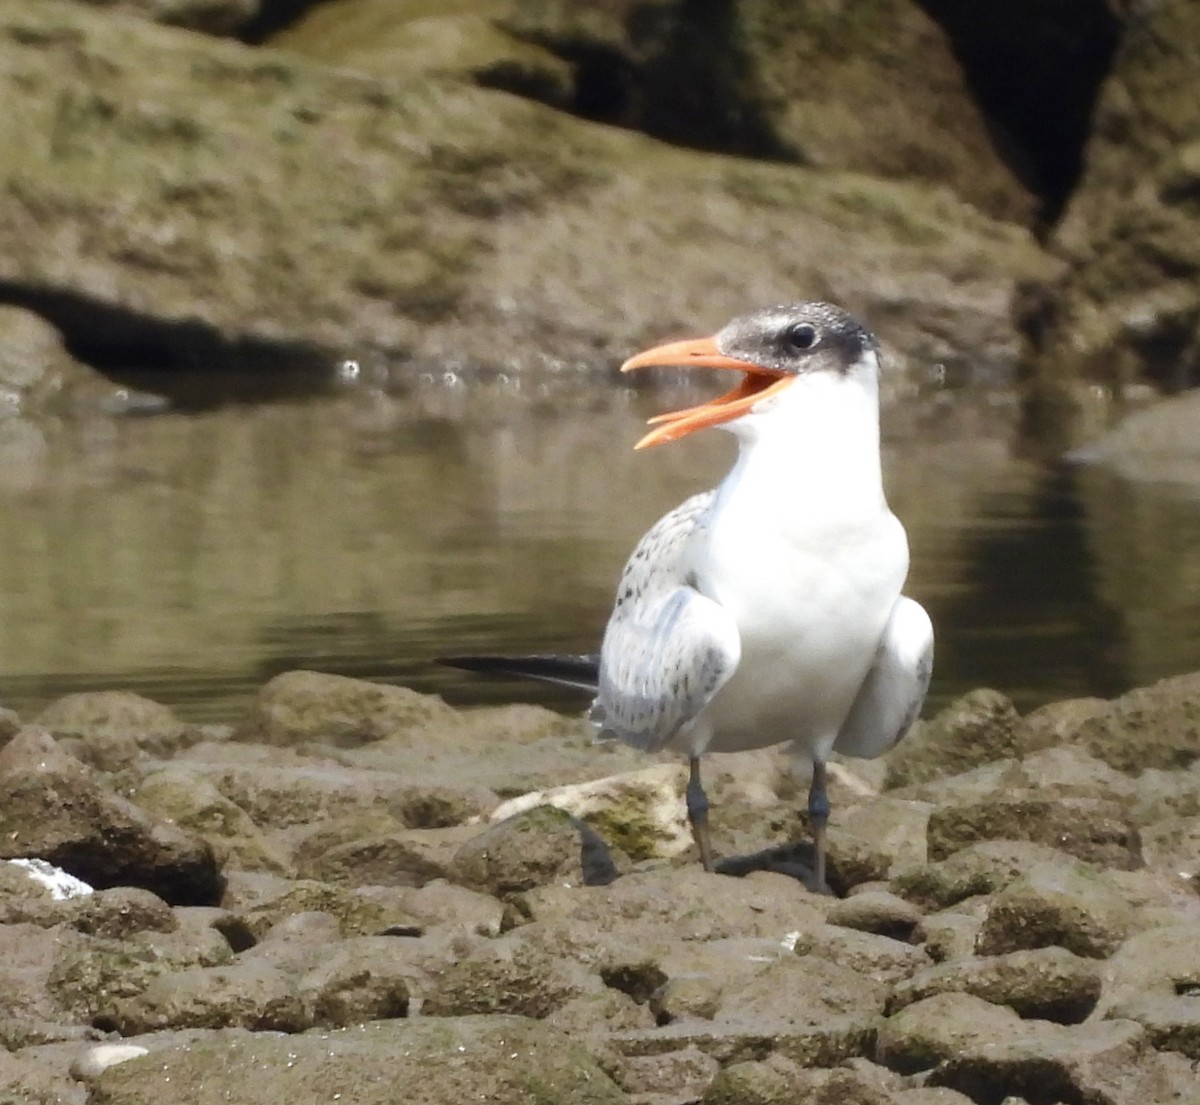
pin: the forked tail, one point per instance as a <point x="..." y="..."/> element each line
<point x="581" y="672"/>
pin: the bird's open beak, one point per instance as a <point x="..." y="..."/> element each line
<point x="757" y="383"/>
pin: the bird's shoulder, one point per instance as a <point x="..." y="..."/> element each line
<point x="658" y="562"/>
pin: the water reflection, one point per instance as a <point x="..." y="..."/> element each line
<point x="193" y="556"/>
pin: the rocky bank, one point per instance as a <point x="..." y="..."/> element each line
<point x="517" y="186"/>
<point x="361" y="894"/>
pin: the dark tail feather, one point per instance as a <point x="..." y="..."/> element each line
<point x="580" y="672"/>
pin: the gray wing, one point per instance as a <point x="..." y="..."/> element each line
<point x="892" y="693"/>
<point x="667" y="649"/>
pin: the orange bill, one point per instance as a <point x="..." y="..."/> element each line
<point x="757" y="383"/>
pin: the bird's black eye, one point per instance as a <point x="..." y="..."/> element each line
<point x="800" y="336"/>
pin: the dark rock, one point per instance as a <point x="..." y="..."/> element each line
<point x="1050" y="984"/>
<point x="977" y="729"/>
<point x="1056" y="903"/>
<point x="937" y="1028"/>
<point x="51" y="809"/>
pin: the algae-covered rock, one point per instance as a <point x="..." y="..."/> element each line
<point x="526" y="850"/>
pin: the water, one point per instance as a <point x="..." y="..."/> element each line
<point x="192" y="556"/>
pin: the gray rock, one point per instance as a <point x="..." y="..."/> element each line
<point x="879" y="957"/>
<point x="1104" y="1061"/>
<point x="936" y="1028"/>
<point x="948" y="935"/>
<point x="242" y="995"/>
<point x="357" y="981"/>
<point x="981" y="868"/>
<point x="779" y="1081"/>
<point x="50" y="808"/>
<point x="1049" y="984"/>
<point x="877" y="911"/>
<point x="1065" y="904"/>
<point x="443" y="1061"/>
<point x="1159" y="964"/>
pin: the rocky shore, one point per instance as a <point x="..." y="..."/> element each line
<point x="360" y="894"/>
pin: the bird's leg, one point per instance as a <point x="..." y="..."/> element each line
<point x="697" y="811"/>
<point x="818" y="816"/>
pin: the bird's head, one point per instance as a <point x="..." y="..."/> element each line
<point x="773" y="348"/>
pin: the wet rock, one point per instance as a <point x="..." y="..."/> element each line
<point x="1065" y="904"/>
<point x="977" y="729"/>
<point x="1104" y="1061"/>
<point x="112" y="729"/>
<point x="1095" y="830"/>
<point x="307" y="706"/>
<point x="52" y="809"/>
<point x="937" y="1028"/>
<point x="981" y="868"/>
<point x="877" y="911"/>
<point x="443" y="1061"/>
<point x="1049" y="983"/>
<point x="1156" y="726"/>
<point x="243" y="995"/>
<point x="358" y="980"/>
<point x="529" y="849"/>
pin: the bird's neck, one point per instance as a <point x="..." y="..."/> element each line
<point x="816" y="449"/>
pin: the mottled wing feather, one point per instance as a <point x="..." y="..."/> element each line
<point x="667" y="649"/>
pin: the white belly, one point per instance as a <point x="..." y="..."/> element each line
<point x="810" y="606"/>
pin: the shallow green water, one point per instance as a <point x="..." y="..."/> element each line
<point x="192" y="556"/>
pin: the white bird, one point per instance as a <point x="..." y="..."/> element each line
<point x="769" y="609"/>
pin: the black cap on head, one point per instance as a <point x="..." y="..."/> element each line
<point x="798" y="337"/>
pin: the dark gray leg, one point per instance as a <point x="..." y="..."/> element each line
<point x="818" y="816"/>
<point x="697" y="811"/>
